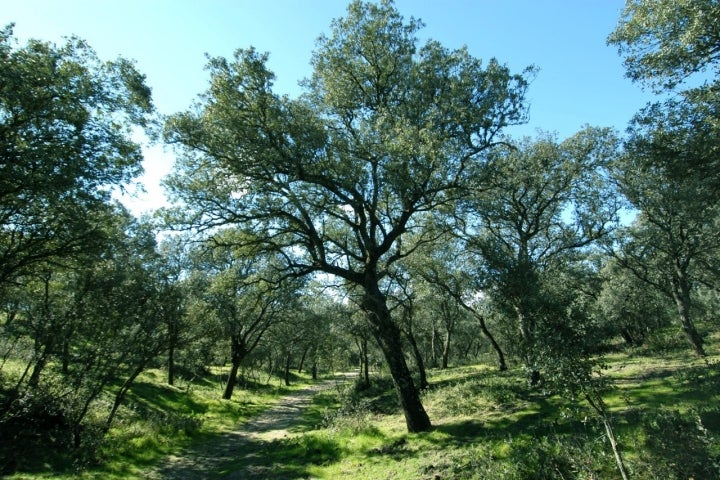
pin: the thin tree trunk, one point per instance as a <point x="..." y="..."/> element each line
<point x="681" y="295"/>
<point x="502" y="366"/>
<point x="43" y="350"/>
<point x="433" y="346"/>
<point x="288" y="358"/>
<point x="446" y="350"/>
<point x="39" y="366"/>
<point x="468" y="347"/>
<point x="424" y="385"/>
<point x="599" y="406"/>
<point x="237" y="354"/>
<point x="365" y="362"/>
<point x="172" y="343"/>
<point x="120" y="396"/>
<point x="302" y="359"/>
<point x="171" y="364"/>
<point x="65" y="361"/>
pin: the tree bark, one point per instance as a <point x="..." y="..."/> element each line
<point x="681" y="295"/>
<point x="418" y="360"/>
<point x="237" y="354"/>
<point x="599" y="406"/>
<point x="172" y="343"/>
<point x="302" y="359"/>
<point x="39" y="366"/>
<point x="231" y="381"/>
<point x="286" y="375"/>
<point x="171" y="365"/>
<point x="120" y="396"/>
<point x="387" y="334"/>
<point x="365" y="362"/>
<point x="314" y="368"/>
<point x="433" y="346"/>
<point x="502" y="366"/>
<point x="446" y="350"/>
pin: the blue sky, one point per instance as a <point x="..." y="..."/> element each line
<point x="580" y="81"/>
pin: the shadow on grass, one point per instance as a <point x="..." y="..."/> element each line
<point x="158" y="398"/>
<point x="537" y="418"/>
<point x="316" y="415"/>
<point x="238" y="456"/>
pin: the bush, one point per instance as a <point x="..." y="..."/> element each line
<point x="527" y="457"/>
<point x="679" y="445"/>
<point x="36" y="428"/>
<point x="358" y="403"/>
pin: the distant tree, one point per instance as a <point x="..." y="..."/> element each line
<point x="243" y="295"/>
<point x="333" y="181"/>
<point x="669" y="174"/>
<point x="450" y="314"/>
<point x="351" y="324"/>
<point x="320" y="334"/>
<point x="629" y="308"/>
<point x="456" y="272"/>
<point x="546" y="204"/>
<point x="92" y="324"/>
<point x="65" y="144"/>
<point x="670" y="170"/>
<point x="176" y="266"/>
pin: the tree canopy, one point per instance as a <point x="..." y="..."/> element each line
<point x="65" y="124"/>
<point x="666" y="41"/>
<point x="386" y="133"/>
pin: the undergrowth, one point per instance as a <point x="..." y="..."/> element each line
<point x="487" y="424"/>
<point x="155" y="420"/>
<point x="490" y="424"/>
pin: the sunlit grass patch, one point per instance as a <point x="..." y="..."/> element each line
<point x="490" y="424"/>
<point x="487" y="424"/>
<point x="318" y="412"/>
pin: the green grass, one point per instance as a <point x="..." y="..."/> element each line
<point x="487" y="424"/>
<point x="157" y="420"/>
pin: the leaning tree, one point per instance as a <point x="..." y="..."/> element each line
<point x="385" y="132"/>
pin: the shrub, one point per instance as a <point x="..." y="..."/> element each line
<point x="679" y="445"/>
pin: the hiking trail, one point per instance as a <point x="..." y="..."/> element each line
<point x="238" y="454"/>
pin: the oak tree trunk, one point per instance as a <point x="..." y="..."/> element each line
<point x="237" y="354"/>
<point x="418" y="360"/>
<point x="681" y="295"/>
<point x="502" y="366"/>
<point x="387" y="335"/>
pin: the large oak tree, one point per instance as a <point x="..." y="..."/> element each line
<point x="334" y="180"/>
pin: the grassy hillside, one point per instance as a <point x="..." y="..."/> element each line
<point x="488" y="424"/>
<point x="491" y="425"/>
<point x="156" y="420"/>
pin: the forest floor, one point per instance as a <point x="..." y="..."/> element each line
<point x="240" y="453"/>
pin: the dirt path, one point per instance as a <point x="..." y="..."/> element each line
<point x="238" y="454"/>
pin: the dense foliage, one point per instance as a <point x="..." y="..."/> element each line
<point x="380" y="220"/>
